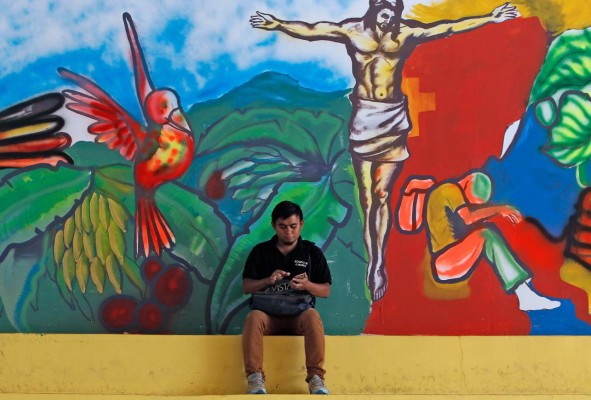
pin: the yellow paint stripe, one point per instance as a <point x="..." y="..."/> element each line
<point x="27" y="130"/>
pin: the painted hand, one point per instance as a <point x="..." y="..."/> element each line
<point x="511" y="214"/>
<point x="505" y="12"/>
<point x="264" y="21"/>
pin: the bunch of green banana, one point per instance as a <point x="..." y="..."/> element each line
<point x="91" y="244"/>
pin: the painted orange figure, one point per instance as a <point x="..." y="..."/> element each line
<point x="161" y="151"/>
<point x="457" y="215"/>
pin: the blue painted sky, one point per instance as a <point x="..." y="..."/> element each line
<point x="200" y="48"/>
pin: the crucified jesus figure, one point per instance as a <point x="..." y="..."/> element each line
<point x="379" y="43"/>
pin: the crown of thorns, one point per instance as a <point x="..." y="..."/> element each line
<point x="391" y="3"/>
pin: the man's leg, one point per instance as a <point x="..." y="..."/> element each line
<point x="364" y="182"/>
<point x="375" y="181"/>
<point x="309" y="324"/>
<point x="497" y="252"/>
<point x="256" y="325"/>
<point x="514" y="277"/>
<point x="456" y="262"/>
<point x="384" y="177"/>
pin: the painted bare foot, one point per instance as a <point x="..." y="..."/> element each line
<point x="531" y="301"/>
<point x="377" y="282"/>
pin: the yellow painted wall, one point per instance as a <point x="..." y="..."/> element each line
<point x="212" y="365"/>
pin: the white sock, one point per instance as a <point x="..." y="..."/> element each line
<point x="531" y="301"/>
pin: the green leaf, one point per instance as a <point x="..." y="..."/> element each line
<point x="271" y="126"/>
<point x="584" y="174"/>
<point x="570" y="137"/>
<point x="201" y="236"/>
<point x="567" y="65"/>
<point x="546" y="112"/>
<point x="116" y="181"/>
<point x="19" y="279"/>
<point x="251" y="153"/>
<point x="33" y="199"/>
<point x="134" y="274"/>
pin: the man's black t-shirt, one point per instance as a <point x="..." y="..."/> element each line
<point x="266" y="258"/>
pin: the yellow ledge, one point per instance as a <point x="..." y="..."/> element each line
<point x="292" y="397"/>
<point x="419" y="367"/>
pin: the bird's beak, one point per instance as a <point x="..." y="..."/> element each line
<point x="177" y="119"/>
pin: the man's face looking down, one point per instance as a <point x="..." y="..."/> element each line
<point x="288" y="230"/>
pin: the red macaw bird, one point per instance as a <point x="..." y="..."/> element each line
<point x="161" y="151"/>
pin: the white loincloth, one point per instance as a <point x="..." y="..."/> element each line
<point x="378" y="130"/>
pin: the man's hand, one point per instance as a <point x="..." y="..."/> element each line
<point x="264" y="21"/>
<point x="511" y="214"/>
<point x="300" y="281"/>
<point x="277" y="275"/>
<point x="504" y="13"/>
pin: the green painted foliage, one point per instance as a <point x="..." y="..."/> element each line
<point x="251" y="153"/>
<point x="561" y="99"/>
<point x="323" y="214"/>
<point x="570" y="137"/>
<point x="20" y="272"/>
<point x="33" y="199"/>
<point x="69" y="231"/>
<point x="116" y="181"/>
<point x="264" y="142"/>
<point x="567" y="66"/>
<point x="201" y="237"/>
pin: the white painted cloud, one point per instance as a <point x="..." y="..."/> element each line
<point x="37" y="28"/>
<point x="211" y="30"/>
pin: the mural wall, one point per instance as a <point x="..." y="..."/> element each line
<point x="439" y="150"/>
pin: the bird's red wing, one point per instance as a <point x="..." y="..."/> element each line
<point x="114" y="126"/>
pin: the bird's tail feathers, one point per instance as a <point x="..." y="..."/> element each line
<point x="152" y="232"/>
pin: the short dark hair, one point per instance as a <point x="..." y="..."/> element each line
<point x="286" y="209"/>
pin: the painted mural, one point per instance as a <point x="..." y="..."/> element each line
<point x="439" y="149"/>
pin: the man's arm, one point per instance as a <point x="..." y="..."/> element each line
<point x="447" y="28"/>
<point x="300" y="30"/>
<point x="254" y="285"/>
<point x="482" y="214"/>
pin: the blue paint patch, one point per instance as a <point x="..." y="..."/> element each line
<point x="560" y="321"/>
<point x="532" y="181"/>
<point x="41" y="76"/>
<point x="175" y="32"/>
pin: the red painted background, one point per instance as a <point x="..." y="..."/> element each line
<point x="481" y="80"/>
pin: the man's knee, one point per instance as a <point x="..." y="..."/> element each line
<point x="489" y="235"/>
<point x="255" y="320"/>
<point x="310" y="318"/>
<point x="381" y="194"/>
<point x="493" y="240"/>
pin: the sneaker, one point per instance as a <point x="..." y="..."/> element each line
<point x="256" y="383"/>
<point x="316" y="385"/>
